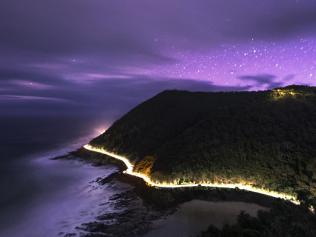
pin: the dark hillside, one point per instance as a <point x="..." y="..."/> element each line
<point x="264" y="138"/>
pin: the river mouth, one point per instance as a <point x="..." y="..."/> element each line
<point x="195" y="216"/>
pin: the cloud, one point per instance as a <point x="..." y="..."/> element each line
<point x="124" y="29"/>
<point x="25" y="98"/>
<point x="103" y="98"/>
<point x="267" y="81"/>
<point x="102" y="53"/>
<point x="283" y="24"/>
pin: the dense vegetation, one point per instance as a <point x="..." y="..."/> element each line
<point x="280" y="221"/>
<point x="266" y="138"/>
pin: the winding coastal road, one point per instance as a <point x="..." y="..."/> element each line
<point x="147" y="179"/>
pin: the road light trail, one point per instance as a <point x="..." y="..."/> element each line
<point x="130" y="167"/>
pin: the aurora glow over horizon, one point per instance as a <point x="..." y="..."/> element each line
<point x="78" y="52"/>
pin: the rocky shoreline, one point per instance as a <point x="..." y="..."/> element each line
<point x="137" y="208"/>
<point x="133" y="219"/>
<point x="132" y="216"/>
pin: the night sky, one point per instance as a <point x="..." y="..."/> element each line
<point x="82" y="54"/>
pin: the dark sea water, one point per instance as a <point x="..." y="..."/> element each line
<point x="41" y="197"/>
<point x="44" y="197"/>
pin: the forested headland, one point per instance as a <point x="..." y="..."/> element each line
<point x="264" y="138"/>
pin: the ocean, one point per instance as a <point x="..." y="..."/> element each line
<point x="44" y="197"/>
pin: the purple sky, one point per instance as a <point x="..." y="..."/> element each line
<point x="87" y="53"/>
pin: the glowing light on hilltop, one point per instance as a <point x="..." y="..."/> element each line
<point x="282" y="93"/>
<point x="242" y="186"/>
